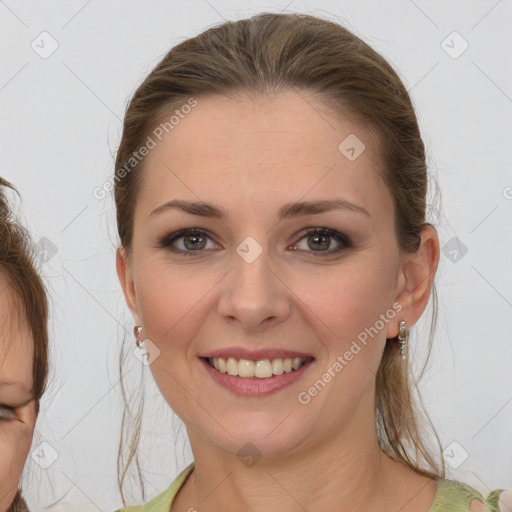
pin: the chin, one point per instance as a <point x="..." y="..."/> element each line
<point x="273" y="438"/>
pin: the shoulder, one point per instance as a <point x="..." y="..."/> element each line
<point x="163" y="501"/>
<point x="458" y="496"/>
<point x="505" y="501"/>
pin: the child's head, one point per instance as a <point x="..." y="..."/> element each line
<point x="23" y="350"/>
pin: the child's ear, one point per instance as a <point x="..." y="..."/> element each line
<point x="416" y="280"/>
<point x="125" y="275"/>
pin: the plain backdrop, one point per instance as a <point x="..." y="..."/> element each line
<point x="67" y="71"/>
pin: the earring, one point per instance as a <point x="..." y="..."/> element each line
<point x="137" y="330"/>
<point x="403" y="338"/>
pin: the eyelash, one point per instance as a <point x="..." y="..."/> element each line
<point x="11" y="411"/>
<point x="339" y="237"/>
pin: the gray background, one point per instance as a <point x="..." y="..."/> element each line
<point x="60" y="125"/>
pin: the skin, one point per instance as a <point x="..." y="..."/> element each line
<point x="251" y="156"/>
<point x="16" y="356"/>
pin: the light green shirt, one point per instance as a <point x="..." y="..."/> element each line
<point x="451" y="496"/>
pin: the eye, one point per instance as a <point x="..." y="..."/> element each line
<point x="191" y="240"/>
<point x="319" y="239"/>
<point x="7" y="413"/>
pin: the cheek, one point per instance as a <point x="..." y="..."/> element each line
<point x="170" y="299"/>
<point x="347" y="299"/>
<point x="14" y="449"/>
<point x="343" y="306"/>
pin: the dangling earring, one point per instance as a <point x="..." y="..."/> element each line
<point x="137" y="330"/>
<point x="403" y="338"/>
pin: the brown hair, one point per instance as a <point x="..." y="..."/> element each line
<point x="19" y="504"/>
<point x="17" y="263"/>
<point x="272" y="53"/>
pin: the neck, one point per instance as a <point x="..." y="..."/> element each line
<point x="345" y="467"/>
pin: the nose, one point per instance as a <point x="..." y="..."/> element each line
<point x="254" y="295"/>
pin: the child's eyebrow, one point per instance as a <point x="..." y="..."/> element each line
<point x="18" y="386"/>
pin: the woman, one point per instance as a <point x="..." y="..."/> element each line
<point x="270" y="188"/>
<point x="23" y="352"/>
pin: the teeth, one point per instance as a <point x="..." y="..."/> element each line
<point x="232" y="366"/>
<point x="262" y="369"/>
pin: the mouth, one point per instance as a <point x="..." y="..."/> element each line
<point x="264" y="368"/>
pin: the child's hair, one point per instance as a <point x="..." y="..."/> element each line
<point x="18" y="267"/>
<point x="19" y="504"/>
<point x="273" y="53"/>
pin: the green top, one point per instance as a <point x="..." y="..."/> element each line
<point x="451" y="496"/>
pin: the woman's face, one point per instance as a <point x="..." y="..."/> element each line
<point x="17" y="407"/>
<point x="255" y="279"/>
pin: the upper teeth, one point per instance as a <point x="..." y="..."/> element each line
<point x="263" y="368"/>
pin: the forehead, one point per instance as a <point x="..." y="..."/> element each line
<point x="16" y="343"/>
<point x="239" y="148"/>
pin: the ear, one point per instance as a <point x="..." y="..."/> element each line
<point x="125" y="275"/>
<point x="415" y="280"/>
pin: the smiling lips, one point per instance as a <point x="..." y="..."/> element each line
<point x="256" y="378"/>
<point x="262" y="364"/>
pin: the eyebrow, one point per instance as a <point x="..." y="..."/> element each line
<point x="10" y="383"/>
<point x="17" y="385"/>
<point x="288" y="210"/>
